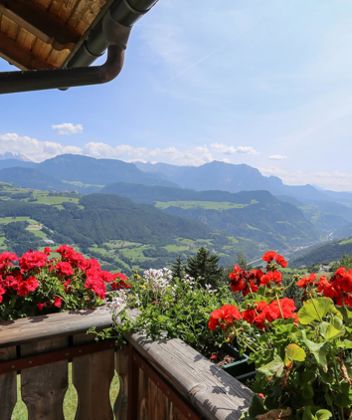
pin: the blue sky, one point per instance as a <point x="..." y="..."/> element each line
<point x="267" y="83"/>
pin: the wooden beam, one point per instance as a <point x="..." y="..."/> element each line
<point x="29" y="330"/>
<point x="24" y="59"/>
<point x="213" y="392"/>
<point x="38" y="21"/>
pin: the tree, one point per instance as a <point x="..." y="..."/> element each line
<point x="242" y="262"/>
<point x="204" y="268"/>
<point x="177" y="268"/>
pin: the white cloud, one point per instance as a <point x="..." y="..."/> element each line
<point x="277" y="157"/>
<point x="231" y="150"/>
<point x="32" y="148"/>
<point x="67" y="128"/>
<point x="37" y="150"/>
<point x="334" y="180"/>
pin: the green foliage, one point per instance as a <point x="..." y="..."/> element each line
<point x="204" y="268"/>
<point x="177" y="268"/>
<point x="161" y="307"/>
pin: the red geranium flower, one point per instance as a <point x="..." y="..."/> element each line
<point x="269" y="256"/>
<point x="281" y="261"/>
<point x="271" y="277"/>
<point x="307" y="280"/>
<point x="64" y="268"/>
<point x="25" y="287"/>
<point x="223" y="317"/>
<point x="57" y="302"/>
<point x="33" y="260"/>
<point x="264" y="313"/>
<point x="338" y="288"/>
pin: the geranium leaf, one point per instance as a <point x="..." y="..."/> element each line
<point x="323" y="414"/>
<point x="318" y="350"/>
<point x="329" y="331"/>
<point x="273" y="368"/>
<point x="315" y="310"/>
<point x="294" y="353"/>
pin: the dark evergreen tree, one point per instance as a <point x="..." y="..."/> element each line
<point x="177" y="268"/>
<point x="242" y="262"/>
<point x="204" y="267"/>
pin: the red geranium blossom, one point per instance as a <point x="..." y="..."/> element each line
<point x="307" y="280"/>
<point x="57" y="302"/>
<point x="7" y="259"/>
<point x="271" y="277"/>
<point x="25" y="287"/>
<point x="39" y="280"/>
<point x="223" y="317"/>
<point x="271" y="256"/>
<point x="338" y="288"/>
<point x="33" y="260"/>
<point x="264" y="313"/>
<point x="245" y="281"/>
<point x="64" y="268"/>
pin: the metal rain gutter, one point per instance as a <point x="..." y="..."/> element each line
<point x="126" y="12"/>
<point x="110" y="33"/>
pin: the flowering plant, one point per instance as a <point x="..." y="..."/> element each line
<point x="162" y="305"/>
<point x="302" y="356"/>
<point x="50" y="280"/>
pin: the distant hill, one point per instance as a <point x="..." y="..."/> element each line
<point x="100" y="217"/>
<point x="324" y="254"/>
<point x="87" y="170"/>
<point x="6" y="162"/>
<point x="86" y="174"/>
<point x="328" y="213"/>
<point x="30" y="177"/>
<point x="257" y="216"/>
<point x="234" y="178"/>
<point x="75" y="172"/>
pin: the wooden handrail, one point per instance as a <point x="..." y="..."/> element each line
<point x="28" y="330"/>
<point x="185" y="380"/>
<point x="213" y="392"/>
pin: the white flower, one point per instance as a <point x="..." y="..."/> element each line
<point x="158" y="280"/>
<point x="118" y="302"/>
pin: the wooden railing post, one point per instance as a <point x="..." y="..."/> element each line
<point x="121" y="366"/>
<point x="92" y="375"/>
<point x="44" y="387"/>
<point x="8" y="388"/>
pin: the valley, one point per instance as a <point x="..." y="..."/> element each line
<point x="139" y="216"/>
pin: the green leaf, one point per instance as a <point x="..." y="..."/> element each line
<point x="345" y="344"/>
<point x="329" y="331"/>
<point x="273" y="368"/>
<point x="294" y="353"/>
<point x="318" y="350"/>
<point x="257" y="406"/>
<point x="315" y="310"/>
<point x="323" y="414"/>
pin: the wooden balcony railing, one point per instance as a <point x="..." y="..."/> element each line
<point x="158" y="380"/>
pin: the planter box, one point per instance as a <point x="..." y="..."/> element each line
<point x="240" y="369"/>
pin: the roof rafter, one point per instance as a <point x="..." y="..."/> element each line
<point x="24" y="59"/>
<point x="40" y="22"/>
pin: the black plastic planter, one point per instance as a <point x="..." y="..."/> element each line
<point x="240" y="369"/>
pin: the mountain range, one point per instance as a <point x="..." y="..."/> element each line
<point x="236" y="200"/>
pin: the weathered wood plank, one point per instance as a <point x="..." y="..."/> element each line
<point x="142" y="398"/>
<point x="66" y="323"/>
<point x="92" y="375"/>
<point x="8" y="389"/>
<point x="213" y="392"/>
<point x="121" y="367"/>
<point x="44" y="387"/>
